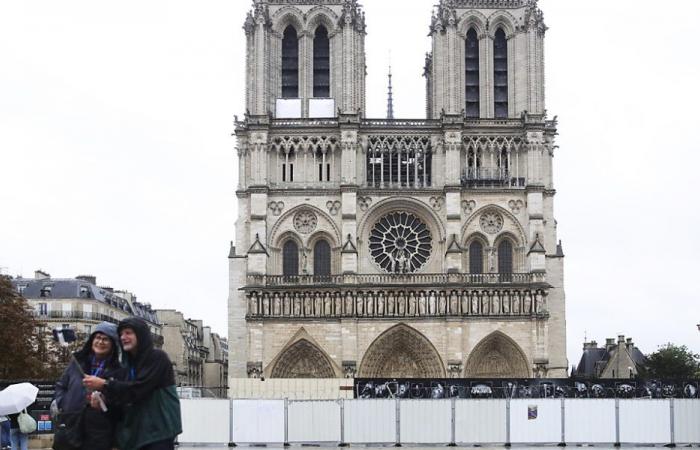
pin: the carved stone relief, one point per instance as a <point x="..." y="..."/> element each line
<point x="305" y="221"/>
<point x="491" y="222"/>
<point x="333" y="207"/>
<point x="276" y="207"/>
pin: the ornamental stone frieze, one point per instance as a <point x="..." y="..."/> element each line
<point x="409" y="303"/>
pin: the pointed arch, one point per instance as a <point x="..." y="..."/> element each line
<point x="402" y="352"/>
<point x="302" y="357"/>
<point x="511" y="224"/>
<point x="497" y="356"/>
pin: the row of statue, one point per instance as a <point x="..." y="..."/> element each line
<point x="396" y="303"/>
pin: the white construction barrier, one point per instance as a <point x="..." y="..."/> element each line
<point x="686" y="421"/>
<point x="205" y="421"/>
<point x="480" y="422"/>
<point x="369" y="421"/>
<point x="645" y="421"/>
<point x="425" y="421"/>
<point x="258" y="421"/>
<point x="313" y="421"/>
<point x="589" y="421"/>
<point x="535" y="421"/>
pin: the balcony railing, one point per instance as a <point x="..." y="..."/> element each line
<point x="486" y="177"/>
<point x="75" y="315"/>
<point x="418" y="279"/>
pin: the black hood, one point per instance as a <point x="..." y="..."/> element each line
<point x="143" y="335"/>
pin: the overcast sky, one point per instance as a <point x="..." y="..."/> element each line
<point x="116" y="157"/>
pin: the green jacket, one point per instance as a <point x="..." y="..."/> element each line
<point x="155" y="419"/>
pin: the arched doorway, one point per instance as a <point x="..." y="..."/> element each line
<point x="401" y="352"/>
<point x="302" y="359"/>
<point x="497" y="356"/>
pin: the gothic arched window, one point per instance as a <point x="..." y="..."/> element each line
<point x="322" y="260"/>
<point x="505" y="260"/>
<point x="322" y="66"/>
<point x="290" y="259"/>
<point x="500" y="74"/>
<point x="471" y="74"/>
<point x="290" y="63"/>
<point x="476" y="257"/>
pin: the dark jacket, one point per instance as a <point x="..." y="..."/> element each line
<point x="147" y="393"/>
<point x="71" y="396"/>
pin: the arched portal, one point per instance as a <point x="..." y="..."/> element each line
<point x="497" y="356"/>
<point x="401" y="352"/>
<point x="302" y="360"/>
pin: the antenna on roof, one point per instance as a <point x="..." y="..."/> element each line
<point x="390" y="98"/>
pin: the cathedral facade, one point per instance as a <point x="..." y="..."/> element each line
<point x="421" y="248"/>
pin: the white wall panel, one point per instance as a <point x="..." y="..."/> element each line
<point x="645" y="421"/>
<point x="546" y="428"/>
<point x="370" y="421"/>
<point x="686" y="418"/>
<point x="590" y="421"/>
<point x="258" y="421"/>
<point x="426" y="421"/>
<point x="205" y="421"/>
<point x="314" y="421"/>
<point x="480" y="421"/>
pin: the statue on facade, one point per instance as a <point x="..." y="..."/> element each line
<point x="308" y="305"/>
<point x="421" y="305"/>
<point x="297" y="306"/>
<point x="318" y="305"/>
<point x="348" y="304"/>
<point x="327" y="305"/>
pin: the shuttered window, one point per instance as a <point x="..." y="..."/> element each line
<point x="290" y="63"/>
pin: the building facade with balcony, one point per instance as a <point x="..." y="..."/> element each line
<point x="419" y="248"/>
<point x="80" y="304"/>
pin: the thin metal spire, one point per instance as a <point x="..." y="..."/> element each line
<point x="390" y="99"/>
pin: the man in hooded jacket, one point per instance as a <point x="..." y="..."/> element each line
<point x="151" y="406"/>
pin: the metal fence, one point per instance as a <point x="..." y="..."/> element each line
<point x="442" y="421"/>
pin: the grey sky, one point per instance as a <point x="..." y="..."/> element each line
<point x="116" y="157"/>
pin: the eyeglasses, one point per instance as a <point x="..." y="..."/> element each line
<point x="104" y="339"/>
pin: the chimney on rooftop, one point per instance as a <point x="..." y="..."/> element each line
<point x="620" y="338"/>
<point x="41" y="275"/>
<point x="108" y="289"/>
<point x="630" y="344"/>
<point x="609" y="344"/>
<point x="87" y="278"/>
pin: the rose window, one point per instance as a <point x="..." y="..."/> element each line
<point x="305" y="222"/>
<point x="400" y="243"/>
<point x="491" y="222"/>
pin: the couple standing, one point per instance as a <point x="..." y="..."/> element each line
<point x="141" y="407"/>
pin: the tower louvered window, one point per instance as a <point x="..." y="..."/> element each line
<point x="290" y="259"/>
<point x="471" y="75"/>
<point x="322" y="260"/>
<point x="322" y="67"/>
<point x="290" y="63"/>
<point x="505" y="260"/>
<point x="500" y="74"/>
<point x="476" y="257"/>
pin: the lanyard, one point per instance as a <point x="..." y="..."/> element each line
<point x="98" y="370"/>
<point x="132" y="374"/>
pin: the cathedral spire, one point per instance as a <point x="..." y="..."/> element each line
<point x="390" y="99"/>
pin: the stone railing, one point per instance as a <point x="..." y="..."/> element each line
<point x="405" y="303"/>
<point x="380" y="279"/>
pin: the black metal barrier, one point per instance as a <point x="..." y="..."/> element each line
<point x="524" y="388"/>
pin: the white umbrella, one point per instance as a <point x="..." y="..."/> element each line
<point x="16" y="397"/>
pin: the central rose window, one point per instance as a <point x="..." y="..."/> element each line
<point x="400" y="243"/>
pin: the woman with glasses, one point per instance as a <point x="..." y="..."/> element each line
<point x="99" y="357"/>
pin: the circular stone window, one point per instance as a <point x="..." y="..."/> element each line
<point x="305" y="222"/>
<point x="400" y="243"/>
<point x="491" y="222"/>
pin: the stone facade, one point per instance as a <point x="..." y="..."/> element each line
<point x="391" y="247"/>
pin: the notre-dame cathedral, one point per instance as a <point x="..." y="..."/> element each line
<point x="415" y="248"/>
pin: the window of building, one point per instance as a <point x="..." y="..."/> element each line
<point x="45" y="291"/>
<point x="84" y="292"/>
<point x="399" y="162"/>
<point x="288" y="167"/>
<point x="471" y="75"/>
<point x="500" y="74"/>
<point x="322" y="259"/>
<point x="322" y="72"/>
<point x="476" y="257"/>
<point x="21" y="288"/>
<point x="43" y="309"/>
<point x="324" y="165"/>
<point x="290" y="63"/>
<point x="505" y="259"/>
<point x="290" y="259"/>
